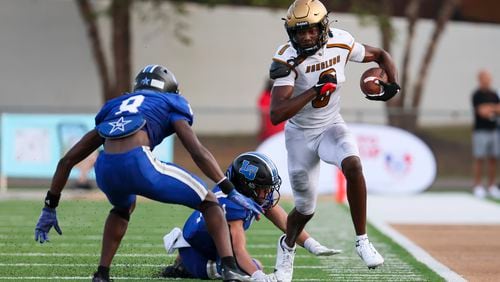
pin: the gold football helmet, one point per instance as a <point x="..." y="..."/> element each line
<point x="303" y="14"/>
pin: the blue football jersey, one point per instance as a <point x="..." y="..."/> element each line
<point x="202" y="245"/>
<point x="146" y="110"/>
<point x="195" y="231"/>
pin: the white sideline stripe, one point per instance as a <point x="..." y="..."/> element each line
<point x="177" y="173"/>
<point x="419" y="253"/>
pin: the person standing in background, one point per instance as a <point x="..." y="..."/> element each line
<point x="267" y="128"/>
<point x="485" y="139"/>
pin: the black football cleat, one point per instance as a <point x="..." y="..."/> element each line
<point x="234" y="275"/>
<point x="176" y="270"/>
<point x="98" y="277"/>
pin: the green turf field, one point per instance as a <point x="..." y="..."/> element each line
<point x="74" y="255"/>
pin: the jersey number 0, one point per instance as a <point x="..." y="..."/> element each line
<point x="322" y="100"/>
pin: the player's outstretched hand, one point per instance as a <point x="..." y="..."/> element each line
<point x="47" y="220"/>
<point x="315" y="248"/>
<point x="389" y="90"/>
<point x="245" y="202"/>
<point x="326" y="85"/>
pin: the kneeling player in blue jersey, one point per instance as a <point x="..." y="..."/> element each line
<point x="129" y="127"/>
<point x="255" y="176"/>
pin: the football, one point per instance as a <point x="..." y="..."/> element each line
<point x="368" y="84"/>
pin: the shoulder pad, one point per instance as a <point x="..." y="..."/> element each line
<point x="279" y="69"/>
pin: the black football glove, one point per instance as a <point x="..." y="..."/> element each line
<point x="389" y="90"/>
<point x="326" y="85"/>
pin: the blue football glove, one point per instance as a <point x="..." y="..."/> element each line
<point x="245" y="202"/>
<point x="48" y="218"/>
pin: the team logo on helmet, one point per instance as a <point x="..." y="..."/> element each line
<point x="248" y="170"/>
<point x="256" y="176"/>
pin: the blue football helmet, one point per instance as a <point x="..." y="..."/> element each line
<point x="256" y="176"/>
<point x="156" y="77"/>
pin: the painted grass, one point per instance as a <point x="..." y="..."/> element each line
<point x="75" y="255"/>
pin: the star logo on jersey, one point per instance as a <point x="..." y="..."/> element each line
<point x="118" y="125"/>
<point x="145" y="81"/>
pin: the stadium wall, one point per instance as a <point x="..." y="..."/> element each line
<point x="48" y="66"/>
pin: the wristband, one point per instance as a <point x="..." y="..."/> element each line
<point x="225" y="185"/>
<point x="51" y="200"/>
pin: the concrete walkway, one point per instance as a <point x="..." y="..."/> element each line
<point x="430" y="208"/>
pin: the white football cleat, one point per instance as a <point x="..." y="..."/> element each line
<point x="494" y="192"/>
<point x="368" y="254"/>
<point x="479" y="192"/>
<point x="174" y="240"/>
<point x="283" y="270"/>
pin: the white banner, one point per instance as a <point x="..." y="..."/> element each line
<point x="395" y="162"/>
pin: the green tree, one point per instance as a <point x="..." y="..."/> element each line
<point x="402" y="111"/>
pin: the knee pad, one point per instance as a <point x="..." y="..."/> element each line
<point x="303" y="192"/>
<point x="299" y="180"/>
<point x="305" y="206"/>
<point x="121" y="212"/>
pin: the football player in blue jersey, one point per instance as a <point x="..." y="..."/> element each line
<point x="255" y="176"/>
<point x="129" y="127"/>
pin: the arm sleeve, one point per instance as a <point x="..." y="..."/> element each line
<point x="286" y="81"/>
<point x="357" y="53"/>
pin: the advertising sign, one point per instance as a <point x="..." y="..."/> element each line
<point x="32" y="144"/>
<point x="395" y="162"/>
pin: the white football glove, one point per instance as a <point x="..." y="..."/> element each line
<point x="315" y="248"/>
<point x="260" y="276"/>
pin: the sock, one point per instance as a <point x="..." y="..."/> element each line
<point x="103" y="271"/>
<point x="285" y="245"/>
<point x="229" y="262"/>
<point x="361" y="237"/>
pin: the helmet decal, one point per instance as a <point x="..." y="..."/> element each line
<point x="156" y="77"/>
<point x="256" y="176"/>
<point x="248" y="170"/>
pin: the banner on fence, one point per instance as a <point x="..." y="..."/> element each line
<point x="395" y="162"/>
<point x="32" y="144"/>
